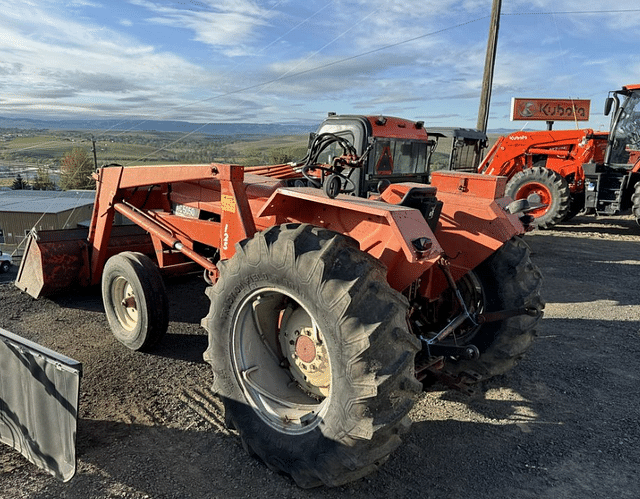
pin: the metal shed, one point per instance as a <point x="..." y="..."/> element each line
<point x="21" y="210"/>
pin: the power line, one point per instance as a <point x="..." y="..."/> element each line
<point x="230" y="71"/>
<point x="290" y="75"/>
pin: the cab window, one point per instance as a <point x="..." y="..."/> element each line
<point x="334" y="150"/>
<point x="398" y="157"/>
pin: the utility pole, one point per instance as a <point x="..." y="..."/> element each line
<point x="489" y="64"/>
<point x="93" y="149"/>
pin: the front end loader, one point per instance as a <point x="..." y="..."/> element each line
<point x="336" y="294"/>
<point x="547" y="169"/>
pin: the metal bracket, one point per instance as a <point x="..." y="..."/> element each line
<point x="505" y="314"/>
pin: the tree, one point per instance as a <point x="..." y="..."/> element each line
<point x="280" y="156"/>
<point x="19" y="183"/>
<point x="283" y="155"/>
<point x="76" y="168"/>
<point x="43" y="181"/>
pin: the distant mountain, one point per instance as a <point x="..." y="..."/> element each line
<point x="160" y="126"/>
<point x="174" y="126"/>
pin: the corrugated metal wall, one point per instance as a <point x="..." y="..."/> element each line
<point x="15" y="225"/>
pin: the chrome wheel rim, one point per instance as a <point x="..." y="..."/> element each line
<point x="281" y="361"/>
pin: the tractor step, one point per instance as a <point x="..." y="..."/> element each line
<point x="605" y="189"/>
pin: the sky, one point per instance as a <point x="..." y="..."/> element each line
<point x="286" y="61"/>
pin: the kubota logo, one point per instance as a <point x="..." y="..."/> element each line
<point x="518" y="137"/>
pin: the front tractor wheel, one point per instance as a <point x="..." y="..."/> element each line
<point x="135" y="300"/>
<point x="311" y="354"/>
<point x="546" y="188"/>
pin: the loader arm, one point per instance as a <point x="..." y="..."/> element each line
<point x="564" y="151"/>
<point x="197" y="214"/>
<point x="129" y="190"/>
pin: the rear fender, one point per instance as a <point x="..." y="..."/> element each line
<point x="472" y="225"/>
<point x="398" y="236"/>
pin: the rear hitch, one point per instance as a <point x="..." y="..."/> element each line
<point x="467" y="352"/>
<point x="462" y="382"/>
<point x="434" y="369"/>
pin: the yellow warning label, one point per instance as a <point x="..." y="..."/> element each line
<point x="228" y="203"/>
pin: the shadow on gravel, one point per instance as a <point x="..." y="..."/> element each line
<point x="131" y="460"/>
<point x="10" y="276"/>
<point x="185" y="347"/>
<point x="187" y="300"/>
<point x="456" y="459"/>
<point x="88" y="299"/>
<point x="591" y="225"/>
<point x="579" y="269"/>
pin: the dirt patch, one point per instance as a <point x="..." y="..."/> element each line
<point x="563" y="423"/>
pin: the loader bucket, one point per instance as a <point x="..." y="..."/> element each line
<point x="54" y="260"/>
<point x="57" y="260"/>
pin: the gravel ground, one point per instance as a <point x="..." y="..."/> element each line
<point x="562" y="424"/>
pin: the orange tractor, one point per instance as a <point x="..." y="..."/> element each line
<point x="543" y="167"/>
<point x="546" y="168"/>
<point x="564" y="172"/>
<point x="338" y="290"/>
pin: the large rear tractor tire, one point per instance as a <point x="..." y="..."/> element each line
<point x="507" y="280"/>
<point x="311" y="354"/>
<point x="540" y="185"/>
<point x="135" y="300"/>
<point x="635" y="199"/>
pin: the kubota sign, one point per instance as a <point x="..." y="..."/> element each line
<point x="550" y="109"/>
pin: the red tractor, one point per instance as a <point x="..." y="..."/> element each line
<point x="339" y="286"/>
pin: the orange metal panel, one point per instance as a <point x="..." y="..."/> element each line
<point x="236" y="218"/>
<point x="138" y="176"/>
<point x="383" y="230"/>
<point x="469" y="184"/>
<point x="470" y="229"/>
<point x="390" y="127"/>
<point x="188" y="230"/>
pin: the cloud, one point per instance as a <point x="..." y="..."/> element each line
<point x="49" y="57"/>
<point x="227" y="24"/>
<point x="234" y="60"/>
<point x="97" y="82"/>
<point x="13" y="68"/>
<point x="51" y="94"/>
